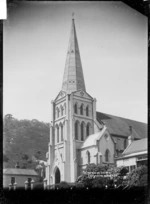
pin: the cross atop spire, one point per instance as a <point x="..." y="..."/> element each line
<point x="73" y="78"/>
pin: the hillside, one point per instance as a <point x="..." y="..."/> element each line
<point x="24" y="141"/>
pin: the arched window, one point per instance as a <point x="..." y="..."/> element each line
<point x="87" y="129"/>
<point x="76" y="130"/>
<point x="57" y="112"/>
<point x="65" y="108"/>
<point x="57" y="176"/>
<point x="62" y="111"/>
<point x="61" y="132"/>
<point x="88" y="157"/>
<point x="81" y="109"/>
<point x="57" y="134"/>
<point x="87" y="111"/>
<point x="75" y="109"/>
<point x="107" y="155"/>
<point x="82" y="131"/>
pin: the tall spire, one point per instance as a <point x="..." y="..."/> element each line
<point x="73" y="78"/>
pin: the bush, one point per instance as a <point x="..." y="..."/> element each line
<point x="123" y="171"/>
<point x="84" y="180"/>
<point x="91" y="182"/>
<point x="99" y="182"/>
<point x="63" y="185"/>
<point x="138" y="177"/>
<point x="79" y="185"/>
<point x="119" y="173"/>
<point x="96" y="168"/>
<point x="38" y="185"/>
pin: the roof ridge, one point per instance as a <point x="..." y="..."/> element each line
<point x="121" y="117"/>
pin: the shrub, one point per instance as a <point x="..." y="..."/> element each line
<point x="99" y="182"/>
<point x="63" y="185"/>
<point x="96" y="168"/>
<point x="91" y="182"/>
<point x="123" y="171"/>
<point x="84" y="180"/>
<point x="38" y="185"/>
<point x="138" y="177"/>
<point x="79" y="185"/>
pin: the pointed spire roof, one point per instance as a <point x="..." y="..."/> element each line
<point x="73" y="78"/>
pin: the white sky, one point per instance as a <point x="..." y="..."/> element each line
<point x="112" y="40"/>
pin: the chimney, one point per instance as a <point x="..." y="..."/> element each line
<point x="17" y="165"/>
<point x="130" y="137"/>
<point x="130" y="128"/>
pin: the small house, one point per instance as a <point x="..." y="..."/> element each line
<point x="134" y="155"/>
<point x="18" y="177"/>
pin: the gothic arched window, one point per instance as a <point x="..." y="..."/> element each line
<point x="81" y="109"/>
<point x="57" y="112"/>
<point x="61" y="126"/>
<point x="65" y="108"/>
<point x="87" y="111"/>
<point x="76" y="130"/>
<point x="57" y="128"/>
<point x="87" y="129"/>
<point x="88" y="157"/>
<point x="62" y="111"/>
<point x="107" y="155"/>
<point x="82" y="131"/>
<point x="75" y="108"/>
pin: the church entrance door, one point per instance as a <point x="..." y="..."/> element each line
<point x="57" y="176"/>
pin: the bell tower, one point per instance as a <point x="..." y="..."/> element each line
<point x="73" y="119"/>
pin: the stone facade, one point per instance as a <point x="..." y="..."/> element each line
<point x="73" y="121"/>
<point x="97" y="149"/>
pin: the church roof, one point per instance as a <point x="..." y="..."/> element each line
<point x="17" y="171"/>
<point x="91" y="139"/>
<point x="120" y="126"/>
<point x="136" y="146"/>
<point x="73" y="78"/>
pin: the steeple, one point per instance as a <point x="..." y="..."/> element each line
<point x="73" y="78"/>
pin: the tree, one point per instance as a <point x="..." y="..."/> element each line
<point x="5" y="158"/>
<point x="38" y="154"/>
<point x="22" y="139"/>
<point x="8" y="116"/>
<point x="24" y="166"/>
<point x="25" y="157"/>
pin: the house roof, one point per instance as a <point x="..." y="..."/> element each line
<point x="91" y="139"/>
<point x="17" y="171"/>
<point x="136" y="146"/>
<point x="120" y="126"/>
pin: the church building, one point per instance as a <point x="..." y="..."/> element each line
<point x="78" y="134"/>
